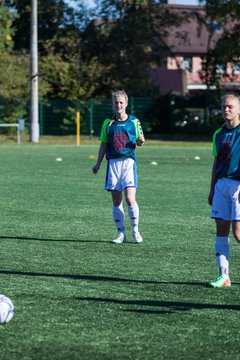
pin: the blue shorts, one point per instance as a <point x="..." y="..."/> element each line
<point x="226" y="200"/>
<point x="121" y="174"/>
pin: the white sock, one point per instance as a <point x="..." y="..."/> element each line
<point x="133" y="213"/>
<point x="222" y="251"/>
<point x="118" y="216"/>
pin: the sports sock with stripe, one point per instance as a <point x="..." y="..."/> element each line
<point x="133" y="213"/>
<point x="118" y="216"/>
<point x="222" y="251"/>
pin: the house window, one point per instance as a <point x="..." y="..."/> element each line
<point x="187" y="64"/>
<point x="236" y="67"/>
<point x="215" y="26"/>
<point x="221" y="69"/>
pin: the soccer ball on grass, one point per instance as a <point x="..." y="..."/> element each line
<point x="6" y="309"/>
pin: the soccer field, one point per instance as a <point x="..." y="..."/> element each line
<point x="76" y="295"/>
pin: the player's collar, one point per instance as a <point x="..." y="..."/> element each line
<point x="115" y="119"/>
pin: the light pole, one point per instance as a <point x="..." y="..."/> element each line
<point x="34" y="132"/>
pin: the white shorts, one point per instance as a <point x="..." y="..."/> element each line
<point x="121" y="174"/>
<point x="226" y="200"/>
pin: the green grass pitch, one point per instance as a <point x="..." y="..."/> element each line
<point x="76" y="295"/>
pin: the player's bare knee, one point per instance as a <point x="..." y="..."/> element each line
<point x="130" y="201"/>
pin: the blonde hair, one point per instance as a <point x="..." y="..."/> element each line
<point x="231" y="94"/>
<point x="119" y="93"/>
<point x="116" y="93"/>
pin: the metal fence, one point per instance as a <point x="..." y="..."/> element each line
<point x="163" y="115"/>
<point x="57" y="116"/>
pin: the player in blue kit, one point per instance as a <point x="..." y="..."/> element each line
<point x="224" y="193"/>
<point x="119" y="137"/>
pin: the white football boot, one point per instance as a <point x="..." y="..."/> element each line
<point x="120" y="239"/>
<point x="137" y="239"/>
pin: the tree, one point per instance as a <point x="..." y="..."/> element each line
<point x="127" y="40"/>
<point x="79" y="58"/>
<point x="55" y="17"/>
<point x="62" y="71"/>
<point x="13" y="75"/>
<point x="223" y="22"/>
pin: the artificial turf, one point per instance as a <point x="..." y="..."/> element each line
<point x="76" y="295"/>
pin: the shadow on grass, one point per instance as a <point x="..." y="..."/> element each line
<point x="97" y="278"/>
<point x="172" y="305"/>
<point x="57" y="240"/>
<point x="25" y="238"/>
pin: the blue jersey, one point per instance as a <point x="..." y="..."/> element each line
<point x="121" y="137"/>
<point x="226" y="147"/>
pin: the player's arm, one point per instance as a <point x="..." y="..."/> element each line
<point x="101" y="153"/>
<point x="140" y="136"/>
<point x="213" y="181"/>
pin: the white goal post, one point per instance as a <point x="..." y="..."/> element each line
<point x="20" y="127"/>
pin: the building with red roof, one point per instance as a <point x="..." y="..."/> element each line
<point x="189" y="44"/>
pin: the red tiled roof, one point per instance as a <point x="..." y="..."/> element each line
<point x="191" y="37"/>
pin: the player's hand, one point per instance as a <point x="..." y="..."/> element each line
<point x="140" y="140"/>
<point x="95" y="169"/>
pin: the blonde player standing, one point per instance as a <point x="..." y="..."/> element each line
<point x="119" y="136"/>
<point x="224" y="193"/>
